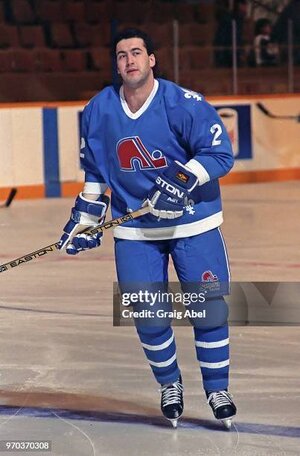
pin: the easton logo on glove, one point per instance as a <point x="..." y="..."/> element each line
<point x="169" y="187"/>
<point x="170" y="194"/>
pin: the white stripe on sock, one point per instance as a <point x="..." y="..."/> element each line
<point x="215" y="365"/>
<point x="164" y="363"/>
<point x="159" y="347"/>
<point x="217" y="344"/>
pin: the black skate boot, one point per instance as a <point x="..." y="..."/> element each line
<point x="172" y="401"/>
<point x="222" y="406"/>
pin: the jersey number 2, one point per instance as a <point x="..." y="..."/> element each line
<point x="216" y="130"/>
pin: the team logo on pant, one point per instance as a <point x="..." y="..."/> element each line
<point x="132" y="154"/>
<point x="208" y="276"/>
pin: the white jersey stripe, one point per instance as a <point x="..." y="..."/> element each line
<point x="217" y="344"/>
<point x="199" y="171"/>
<point x="94" y="188"/>
<point x="172" y="232"/>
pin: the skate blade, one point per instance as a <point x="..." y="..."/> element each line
<point x="174" y="423"/>
<point x="227" y="423"/>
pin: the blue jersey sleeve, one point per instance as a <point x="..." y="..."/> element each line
<point x="203" y="135"/>
<point x="89" y="147"/>
<point x="209" y="141"/>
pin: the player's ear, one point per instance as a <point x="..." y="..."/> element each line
<point x="152" y="60"/>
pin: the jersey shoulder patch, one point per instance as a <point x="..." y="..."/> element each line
<point x="181" y="99"/>
<point x="191" y="95"/>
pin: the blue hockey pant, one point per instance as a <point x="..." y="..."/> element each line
<point x="196" y="259"/>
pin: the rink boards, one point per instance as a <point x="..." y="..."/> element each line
<point x="39" y="144"/>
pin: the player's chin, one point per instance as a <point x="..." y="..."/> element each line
<point x="133" y="76"/>
<point x="133" y="82"/>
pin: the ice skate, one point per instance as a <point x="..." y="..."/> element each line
<point x="172" y="401"/>
<point x="222" y="406"/>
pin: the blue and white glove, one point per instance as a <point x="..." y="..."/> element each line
<point x="86" y="213"/>
<point x="169" y="196"/>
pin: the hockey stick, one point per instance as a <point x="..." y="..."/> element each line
<point x="10" y="197"/>
<point x="263" y="109"/>
<point x="53" y="247"/>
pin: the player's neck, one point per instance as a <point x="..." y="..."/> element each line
<point x="136" y="97"/>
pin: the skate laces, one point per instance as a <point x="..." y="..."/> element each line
<point x="219" y="399"/>
<point x="171" y="393"/>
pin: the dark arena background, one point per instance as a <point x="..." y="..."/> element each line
<point x="68" y="376"/>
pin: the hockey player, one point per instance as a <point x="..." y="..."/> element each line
<point x="153" y="142"/>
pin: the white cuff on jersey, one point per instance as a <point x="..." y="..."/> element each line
<point x="94" y="188"/>
<point x="200" y="172"/>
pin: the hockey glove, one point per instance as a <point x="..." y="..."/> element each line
<point x="169" y="196"/>
<point x="86" y="213"/>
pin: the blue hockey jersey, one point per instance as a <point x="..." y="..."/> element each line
<point x="128" y="150"/>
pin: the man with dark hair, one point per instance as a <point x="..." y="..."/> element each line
<point x="157" y="144"/>
<point x="134" y="33"/>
